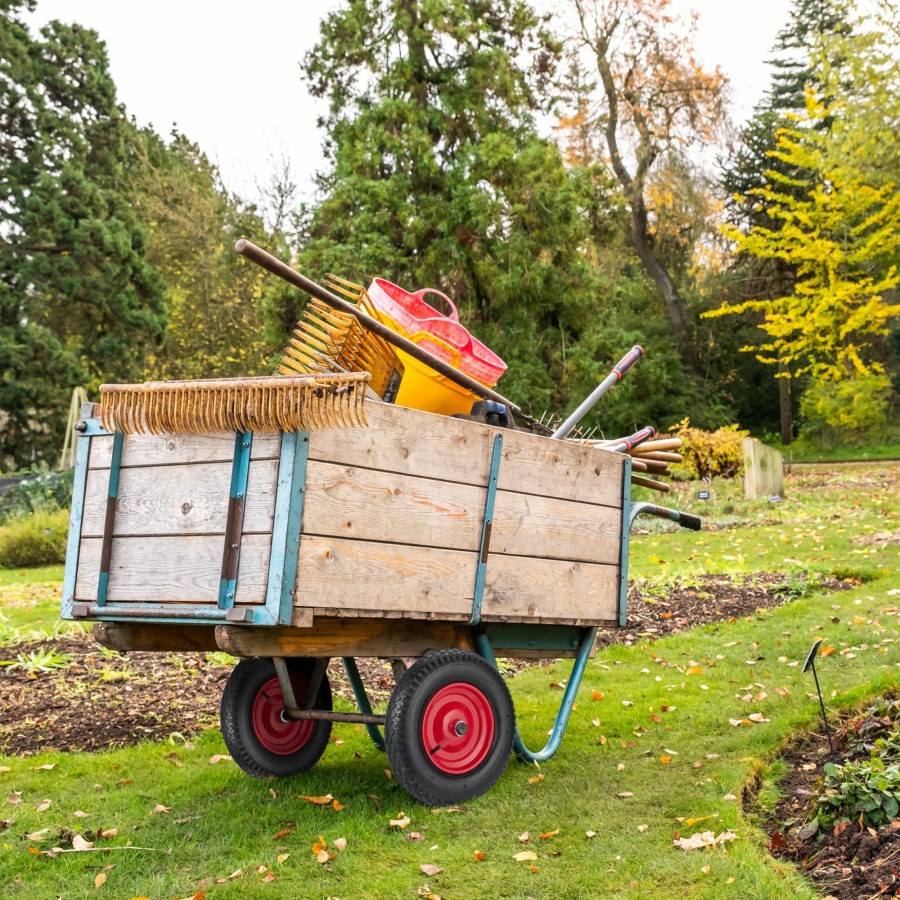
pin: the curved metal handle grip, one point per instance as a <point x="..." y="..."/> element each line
<point x="627" y="361"/>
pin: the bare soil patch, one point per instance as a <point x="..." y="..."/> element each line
<point x="102" y="699"/>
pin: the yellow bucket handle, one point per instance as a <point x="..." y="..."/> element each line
<point x="420" y="336"/>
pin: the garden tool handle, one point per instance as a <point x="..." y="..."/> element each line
<point x="627" y="361"/>
<point x="420" y="294"/>
<point x="420" y="336"/>
<point x="626" y="444"/>
<point x="271" y="264"/>
<point x="618" y="370"/>
<point x="685" y="520"/>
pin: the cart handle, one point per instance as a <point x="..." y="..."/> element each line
<point x="685" y="520"/>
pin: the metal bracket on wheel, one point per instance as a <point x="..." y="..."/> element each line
<point x="287" y="689"/>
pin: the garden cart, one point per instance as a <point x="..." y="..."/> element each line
<point x="416" y="536"/>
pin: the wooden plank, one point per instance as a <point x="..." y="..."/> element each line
<point x="545" y="527"/>
<point x="549" y="588"/>
<point x="171" y="449"/>
<point x="411" y="442"/>
<point x="371" y="505"/>
<point x="172" y="569"/>
<point x="180" y="499"/>
<point x="364" y="575"/>
<point x="126" y="636"/>
<point x="334" y="637"/>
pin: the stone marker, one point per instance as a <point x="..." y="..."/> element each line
<point x="763" y="471"/>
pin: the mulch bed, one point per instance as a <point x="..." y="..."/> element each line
<point x="850" y="862"/>
<point x="104" y="699"/>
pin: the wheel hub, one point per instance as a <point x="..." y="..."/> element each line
<point x="273" y="729"/>
<point x="458" y="728"/>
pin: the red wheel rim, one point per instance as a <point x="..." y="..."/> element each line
<point x="458" y="728"/>
<point x="272" y="728"/>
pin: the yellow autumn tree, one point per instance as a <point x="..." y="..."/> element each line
<point x="842" y="236"/>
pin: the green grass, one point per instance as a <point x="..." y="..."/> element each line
<point x="221" y="821"/>
<point x="804" y="450"/>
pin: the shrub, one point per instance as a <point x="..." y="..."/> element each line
<point x="706" y="454"/>
<point x="868" y="789"/>
<point x="855" y="408"/>
<point x="41" y="492"/>
<point x="35" y="540"/>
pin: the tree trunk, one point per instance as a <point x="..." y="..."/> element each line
<point x="640" y="234"/>
<point x="785" y="405"/>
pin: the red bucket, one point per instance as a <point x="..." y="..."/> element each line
<point x="413" y="317"/>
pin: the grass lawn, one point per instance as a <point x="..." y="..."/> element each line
<point x="659" y="746"/>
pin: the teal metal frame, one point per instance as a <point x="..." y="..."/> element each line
<point x="237" y="498"/>
<point x="486" y="526"/>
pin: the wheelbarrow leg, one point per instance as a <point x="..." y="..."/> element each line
<point x="483" y="644"/>
<point x="362" y="698"/>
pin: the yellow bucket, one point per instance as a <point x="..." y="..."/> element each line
<point x="423" y="388"/>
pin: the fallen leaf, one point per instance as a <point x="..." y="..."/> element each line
<point x="5" y="769"/>
<point x="826" y="651"/>
<point x="43" y="805"/>
<point x="668" y="709"/>
<point x="44" y="768"/>
<point x="219" y="757"/>
<point x="535" y="779"/>
<point x="401" y="821"/>
<point x="319" y="801"/>
<point x="268" y="879"/>
<point x="704" y="839"/>
<point x="38" y="835"/>
<point x="159" y="808"/>
<point x="595" y="723"/>
<point x="388" y="774"/>
<point x="590" y="834"/>
<point x="283" y="857"/>
<point x="695" y="670"/>
<point x="341" y="844"/>
<point x="534" y="868"/>
<point x="283" y="833"/>
<point x="596" y="695"/>
<point x="100" y="880"/>
<point x="427" y="893"/>
<point x="415" y="836"/>
<point x="478" y="856"/>
<point x="625" y="794"/>
<point x="322" y="857"/>
<point x="525" y="856"/>
<point x="430" y="869"/>
<point x="261" y="869"/>
<point x="319" y="845"/>
<point x="12" y="801"/>
<point x="337" y="806"/>
<point x="665" y="760"/>
<point x="79" y="843"/>
<point x="524" y="838"/>
<point x="643" y="828"/>
<point x="79" y="814"/>
<point x="549" y="834"/>
<point x="757" y="717"/>
<point x="690" y="822"/>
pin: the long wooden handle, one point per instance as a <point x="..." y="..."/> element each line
<point x="292" y="276"/>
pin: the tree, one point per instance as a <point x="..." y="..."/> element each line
<point x="657" y="101"/>
<point x="795" y="65"/>
<point x="438" y="178"/>
<point x="214" y="300"/>
<point x="78" y="302"/>
<point x="840" y="237"/>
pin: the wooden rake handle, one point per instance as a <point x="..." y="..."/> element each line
<point x="292" y="276"/>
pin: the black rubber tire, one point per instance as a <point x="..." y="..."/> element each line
<point x="244" y="686"/>
<point x="410" y="759"/>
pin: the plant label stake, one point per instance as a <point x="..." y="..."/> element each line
<point x="811" y="664"/>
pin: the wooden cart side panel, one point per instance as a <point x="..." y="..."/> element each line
<point x="173" y="449"/>
<point x="337" y="574"/>
<point x="179" y="499"/>
<point x="370" y="505"/>
<point x="411" y="442"/>
<point x="172" y="569"/>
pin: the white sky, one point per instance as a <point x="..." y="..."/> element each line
<point x="228" y="74"/>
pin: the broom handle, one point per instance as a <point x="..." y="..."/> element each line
<point x="282" y="270"/>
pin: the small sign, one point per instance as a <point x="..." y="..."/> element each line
<point x="703" y="495"/>
<point x="775" y="498"/>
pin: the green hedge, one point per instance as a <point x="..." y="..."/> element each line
<point x="38" y="539"/>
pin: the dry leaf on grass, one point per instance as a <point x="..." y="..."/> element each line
<point x="549" y="834"/>
<point x="219" y="757"/>
<point x="401" y="821"/>
<point x="319" y="801"/>
<point x="525" y="856"/>
<point x="79" y="843"/>
<point x="536" y="779"/>
<point x="159" y="808"/>
<point x="479" y="856"/>
<point x="524" y="838"/>
<point x="341" y="844"/>
<point x="100" y="880"/>
<point x="430" y="869"/>
<point x="47" y="767"/>
<point x="705" y="839"/>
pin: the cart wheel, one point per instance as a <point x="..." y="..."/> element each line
<point x="259" y="737"/>
<point x="449" y="727"/>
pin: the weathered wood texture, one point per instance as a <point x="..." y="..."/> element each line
<point x="391" y="525"/>
<point x="344" y="637"/>
<point x="142" y="636"/>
